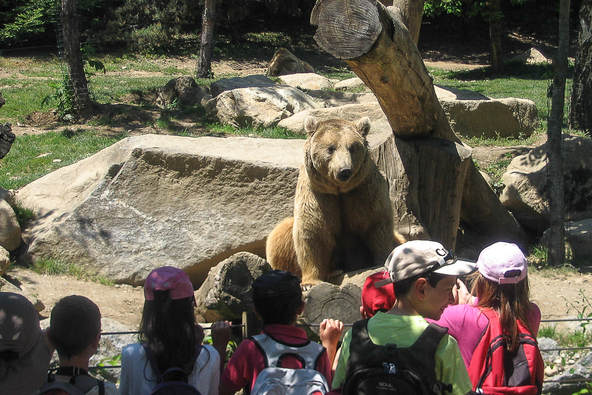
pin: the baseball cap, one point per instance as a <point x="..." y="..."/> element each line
<point x="503" y="263"/>
<point x="168" y="278"/>
<point x="376" y="298"/>
<point x="417" y="257"/>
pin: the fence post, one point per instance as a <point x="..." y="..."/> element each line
<point x="251" y="324"/>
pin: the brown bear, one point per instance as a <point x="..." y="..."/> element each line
<point x="285" y="62"/>
<point x="343" y="219"/>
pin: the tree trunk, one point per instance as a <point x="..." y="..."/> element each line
<point x="378" y="47"/>
<point x="556" y="182"/>
<point x="411" y="15"/>
<point x="580" y="117"/>
<point x="76" y="78"/>
<point x="208" y="22"/>
<point x="496" y="33"/>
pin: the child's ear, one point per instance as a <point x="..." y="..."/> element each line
<point x="95" y="342"/>
<point x="257" y="313"/>
<point x="301" y="308"/>
<point x="420" y="287"/>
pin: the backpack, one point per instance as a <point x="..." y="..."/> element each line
<point x="276" y="380"/>
<point x="493" y="370"/>
<point x="374" y="369"/>
<point x="173" y="381"/>
<point x="78" y="385"/>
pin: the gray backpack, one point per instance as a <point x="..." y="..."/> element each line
<point x="277" y="380"/>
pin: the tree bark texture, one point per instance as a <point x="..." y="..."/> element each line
<point x="204" y="65"/>
<point x="411" y="15"/>
<point x="580" y="117"/>
<point x="434" y="183"/>
<point x="73" y="56"/>
<point x="554" y="130"/>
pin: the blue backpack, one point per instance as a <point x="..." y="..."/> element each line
<point x="173" y="381"/>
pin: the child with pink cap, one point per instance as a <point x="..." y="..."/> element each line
<point x="500" y="283"/>
<point x="171" y="336"/>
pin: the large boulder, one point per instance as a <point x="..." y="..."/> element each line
<point x="526" y="184"/>
<point x="183" y="90"/>
<point x="150" y="200"/>
<point x="10" y="230"/>
<point x="306" y="81"/>
<point x="227" y="291"/>
<point x="471" y="114"/>
<point x="262" y="107"/>
<point x="578" y="239"/>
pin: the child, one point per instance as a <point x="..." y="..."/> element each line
<point x="24" y="351"/>
<point x="376" y="298"/>
<point x="423" y="273"/>
<point x="170" y="333"/>
<point x="75" y="331"/>
<point x="277" y="299"/>
<point x="501" y="284"/>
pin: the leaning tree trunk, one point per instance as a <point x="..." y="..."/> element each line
<point x="71" y="36"/>
<point x="204" y="65"/>
<point x="580" y="117"/>
<point x="554" y="128"/>
<point x="434" y="183"/>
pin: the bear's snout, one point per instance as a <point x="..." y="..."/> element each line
<point x="344" y="174"/>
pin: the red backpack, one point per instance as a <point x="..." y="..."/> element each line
<point x="494" y="370"/>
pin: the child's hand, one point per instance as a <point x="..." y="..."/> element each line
<point x="220" y="334"/>
<point x="461" y="293"/>
<point x="330" y="330"/>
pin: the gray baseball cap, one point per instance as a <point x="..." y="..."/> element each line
<point x="417" y="257"/>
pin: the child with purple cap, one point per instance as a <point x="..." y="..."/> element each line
<point x="500" y="283"/>
<point x="170" y="333"/>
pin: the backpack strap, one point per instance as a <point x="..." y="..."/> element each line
<point x="420" y="356"/>
<point x="79" y="378"/>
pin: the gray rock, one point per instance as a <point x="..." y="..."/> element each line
<point x="184" y="90"/>
<point x="492" y="117"/>
<point x="10" y="230"/>
<point x="546" y="343"/>
<point x="526" y="181"/>
<point x="532" y="56"/>
<point x="350" y="112"/>
<point x="4" y="261"/>
<point x="578" y="239"/>
<point x="251" y="81"/>
<point x="306" y="81"/>
<point x="258" y="107"/>
<point x="226" y="293"/>
<point x="350" y="84"/>
<point x="336" y="99"/>
<point x="150" y="201"/>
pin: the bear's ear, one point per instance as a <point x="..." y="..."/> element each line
<point x="363" y="126"/>
<point x="310" y="125"/>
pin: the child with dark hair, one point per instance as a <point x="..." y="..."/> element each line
<point x="277" y="299"/>
<point x="170" y="333"/>
<point x="423" y="273"/>
<point x="24" y="350"/>
<point x="75" y="332"/>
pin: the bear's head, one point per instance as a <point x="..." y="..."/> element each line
<point x="336" y="154"/>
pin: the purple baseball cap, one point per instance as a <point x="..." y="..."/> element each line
<point x="168" y="278"/>
<point x="503" y="263"/>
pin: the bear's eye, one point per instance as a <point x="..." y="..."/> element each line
<point x="352" y="149"/>
<point x="330" y="150"/>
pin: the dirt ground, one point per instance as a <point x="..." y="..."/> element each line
<point x="123" y="303"/>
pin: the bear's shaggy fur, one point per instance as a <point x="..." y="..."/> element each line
<point x="285" y="62"/>
<point x="343" y="219"/>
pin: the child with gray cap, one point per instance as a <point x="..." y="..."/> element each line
<point x="424" y="274"/>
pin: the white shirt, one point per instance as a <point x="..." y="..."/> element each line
<point x="137" y="377"/>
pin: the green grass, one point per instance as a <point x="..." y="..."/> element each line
<point x="33" y="156"/>
<point x="57" y="267"/>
